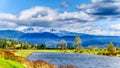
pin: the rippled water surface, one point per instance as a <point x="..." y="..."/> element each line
<point x="80" y="60"/>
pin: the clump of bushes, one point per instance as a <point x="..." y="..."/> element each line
<point x="108" y="53"/>
<point x="68" y="66"/>
<point x="42" y="64"/>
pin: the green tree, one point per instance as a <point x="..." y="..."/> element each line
<point x="2" y="43"/>
<point x="111" y="47"/>
<point x="35" y="46"/>
<point x="78" y="43"/>
<point x="43" y="46"/>
<point x="9" y="44"/>
<point x="63" y="44"/>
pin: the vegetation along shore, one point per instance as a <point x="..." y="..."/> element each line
<point x="13" y="53"/>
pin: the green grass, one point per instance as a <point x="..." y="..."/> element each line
<point x="9" y="64"/>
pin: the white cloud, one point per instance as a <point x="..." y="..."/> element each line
<point x="86" y="28"/>
<point x="44" y="16"/>
<point x="102" y="9"/>
<point x="32" y="29"/>
<point x="81" y="16"/>
<point x="44" y="19"/>
<point x="40" y="16"/>
<point x="37" y="16"/>
<point x="84" y="6"/>
<point x="115" y="27"/>
<point x="94" y="1"/>
<point x="8" y="17"/>
<point x="64" y="4"/>
<point x="7" y="25"/>
<point x="38" y="13"/>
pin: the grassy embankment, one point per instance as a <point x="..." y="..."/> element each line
<point x="9" y="60"/>
<point x="16" y="59"/>
<point x="25" y="53"/>
<point x="9" y="64"/>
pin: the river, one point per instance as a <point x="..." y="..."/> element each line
<point x="80" y="60"/>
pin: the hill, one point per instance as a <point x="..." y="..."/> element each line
<point x="53" y="39"/>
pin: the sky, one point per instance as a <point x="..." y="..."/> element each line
<point x="97" y="17"/>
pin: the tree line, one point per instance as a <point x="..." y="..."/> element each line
<point x="14" y="44"/>
<point x="77" y="45"/>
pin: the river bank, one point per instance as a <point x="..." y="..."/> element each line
<point x="21" y="58"/>
<point x="25" y="53"/>
<point x="10" y="56"/>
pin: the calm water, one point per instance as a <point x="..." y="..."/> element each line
<point x="80" y="60"/>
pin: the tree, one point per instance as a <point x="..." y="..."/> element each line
<point x="2" y="43"/>
<point x="35" y="46"/>
<point x="9" y="44"/>
<point x="111" y="48"/>
<point x="77" y="43"/>
<point x="63" y="44"/>
<point x="43" y="46"/>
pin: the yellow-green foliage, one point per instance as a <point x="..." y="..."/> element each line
<point x="111" y="48"/>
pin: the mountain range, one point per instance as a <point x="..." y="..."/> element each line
<point x="53" y="39"/>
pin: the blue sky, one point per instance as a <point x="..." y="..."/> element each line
<point x="98" y="17"/>
<point x="15" y="6"/>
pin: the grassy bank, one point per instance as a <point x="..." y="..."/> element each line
<point x="13" y="58"/>
<point x="9" y="64"/>
<point x="17" y="59"/>
<point x="25" y="53"/>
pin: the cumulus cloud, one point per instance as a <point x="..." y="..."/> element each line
<point x="41" y="18"/>
<point x="44" y="16"/>
<point x="102" y="9"/>
<point x="76" y="16"/>
<point x="65" y="4"/>
<point x="7" y="25"/>
<point x="86" y="28"/>
<point x="8" y="17"/>
<point x="7" y="21"/>
<point x="115" y="27"/>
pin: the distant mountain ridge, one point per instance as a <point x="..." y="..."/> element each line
<point x="53" y="39"/>
<point x="12" y="34"/>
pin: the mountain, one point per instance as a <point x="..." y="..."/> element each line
<point x="53" y="39"/>
<point x="39" y="35"/>
<point x="39" y="38"/>
<point x="11" y="34"/>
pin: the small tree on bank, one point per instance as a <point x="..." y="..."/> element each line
<point x="77" y="44"/>
<point x="111" y="48"/>
<point x="63" y="44"/>
<point x="43" y="46"/>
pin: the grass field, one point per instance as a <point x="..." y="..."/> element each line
<point x="25" y="53"/>
<point x="9" y="64"/>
